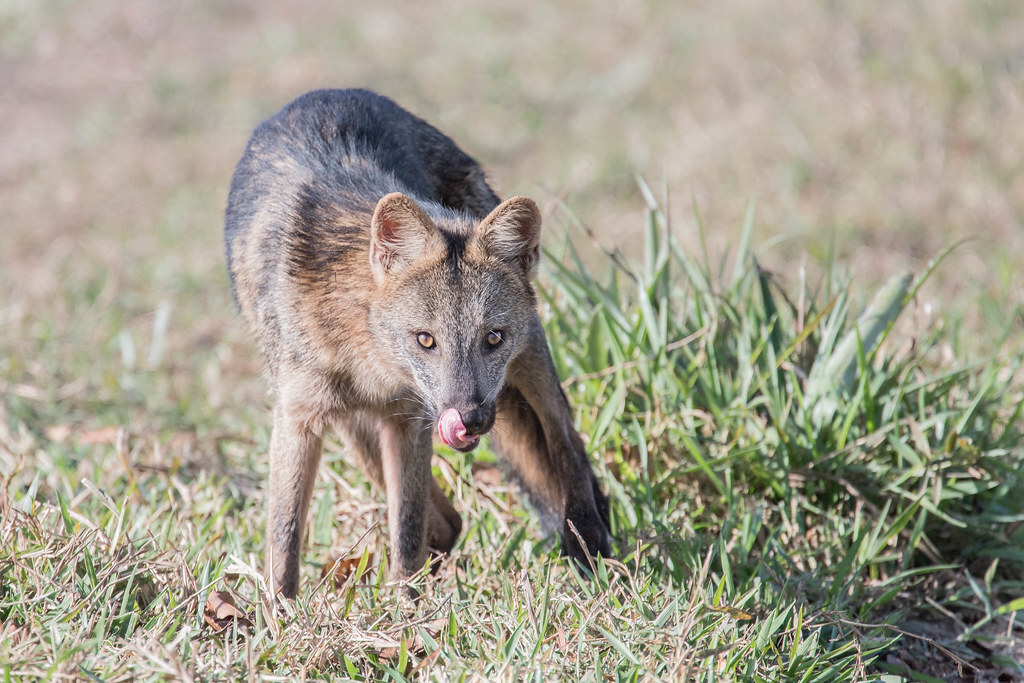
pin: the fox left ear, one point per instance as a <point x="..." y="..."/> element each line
<point x="511" y="233"/>
<point x="400" y="232"/>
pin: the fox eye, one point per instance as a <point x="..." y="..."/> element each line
<point x="426" y="340"/>
<point x="495" y="337"/>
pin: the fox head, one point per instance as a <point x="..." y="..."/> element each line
<point x="454" y="303"/>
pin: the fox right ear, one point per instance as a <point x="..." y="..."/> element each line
<point x="400" y="232"/>
<point x="511" y="233"/>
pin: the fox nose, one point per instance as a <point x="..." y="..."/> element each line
<point x="473" y="420"/>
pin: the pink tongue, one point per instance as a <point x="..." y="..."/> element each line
<point x="452" y="431"/>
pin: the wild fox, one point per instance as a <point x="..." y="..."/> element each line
<point x="390" y="291"/>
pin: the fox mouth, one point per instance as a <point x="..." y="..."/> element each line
<point x="453" y="432"/>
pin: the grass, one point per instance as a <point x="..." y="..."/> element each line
<point x="798" y="494"/>
<point x="805" y="488"/>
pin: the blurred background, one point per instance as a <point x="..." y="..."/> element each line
<point x="879" y="133"/>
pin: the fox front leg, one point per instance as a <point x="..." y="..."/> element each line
<point x="405" y="458"/>
<point x="536" y="435"/>
<point x="294" y="457"/>
<point x="361" y="432"/>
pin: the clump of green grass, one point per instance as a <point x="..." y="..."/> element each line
<point x="799" y="492"/>
<point x="798" y="440"/>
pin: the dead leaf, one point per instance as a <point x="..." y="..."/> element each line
<point x="434" y="626"/>
<point x="733" y="612"/>
<point x="415" y="646"/>
<point x="185" y="444"/>
<point x="342" y="569"/>
<point x="98" y="436"/>
<point x="58" y="433"/>
<point x="563" y="644"/>
<point x="220" y="612"/>
<point x="13" y="632"/>
<point x="487" y="475"/>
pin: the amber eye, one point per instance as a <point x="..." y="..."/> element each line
<point x="425" y="340"/>
<point x="495" y="337"/>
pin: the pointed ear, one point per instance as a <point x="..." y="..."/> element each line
<point x="511" y="233"/>
<point x="400" y="232"/>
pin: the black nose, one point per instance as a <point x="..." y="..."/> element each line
<point x="473" y="421"/>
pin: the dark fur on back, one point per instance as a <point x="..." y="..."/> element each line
<point x="328" y="130"/>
